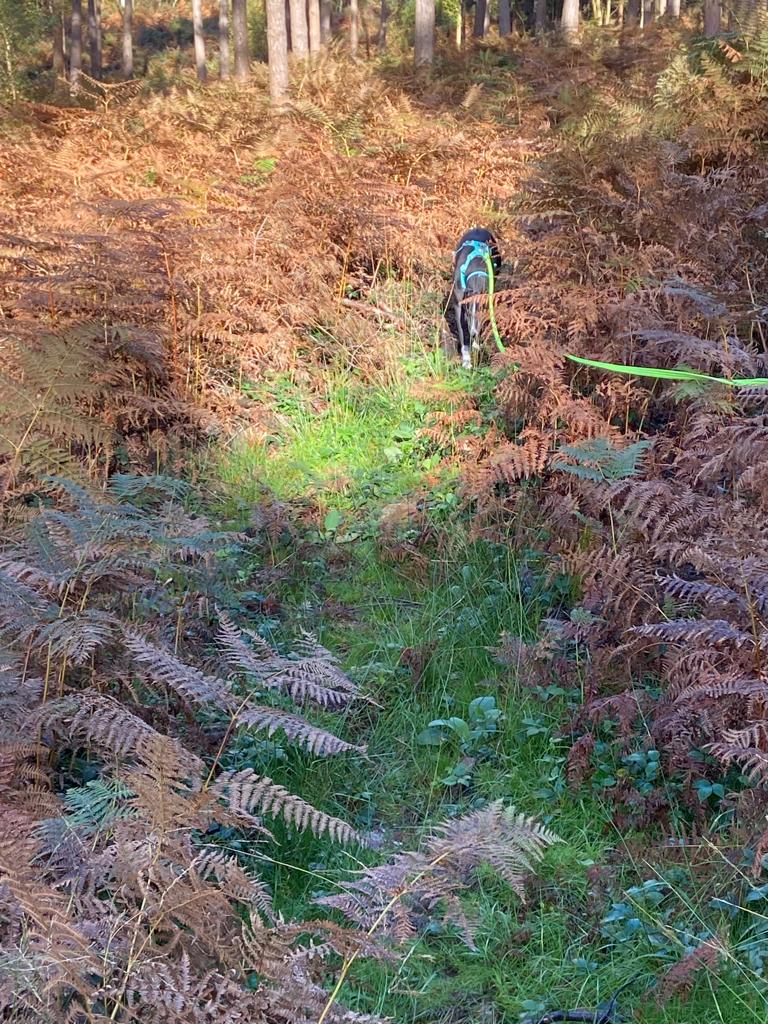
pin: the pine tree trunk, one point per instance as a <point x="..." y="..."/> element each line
<point x="540" y="17"/>
<point x="197" y="27"/>
<point x="661" y="8"/>
<point x="76" y="46"/>
<point x="646" y="16"/>
<point x="481" y="8"/>
<point x="424" y="48"/>
<point x="100" y="35"/>
<point x="299" y="30"/>
<point x="128" y="39"/>
<point x="632" y="19"/>
<point x="94" y="38"/>
<point x="240" y="40"/>
<point x="383" y="25"/>
<point x="712" y="18"/>
<point x="505" y="18"/>
<point x="277" y="50"/>
<point x="354" y="27"/>
<point x="326" y="32"/>
<point x="58" y="44"/>
<point x="673" y="8"/>
<point x="224" y="68"/>
<point x="315" y="35"/>
<point x="569" y="20"/>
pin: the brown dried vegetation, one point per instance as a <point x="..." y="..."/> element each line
<point x="152" y="256"/>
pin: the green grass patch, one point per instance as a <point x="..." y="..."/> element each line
<point x="454" y="728"/>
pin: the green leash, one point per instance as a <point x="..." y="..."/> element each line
<point x="491" y="291"/>
<point x="655" y="372"/>
<point x="660" y="374"/>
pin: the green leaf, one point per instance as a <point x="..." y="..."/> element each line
<point x="432" y="736"/>
<point x="265" y="165"/>
<point x="460" y="727"/>
<point x="482" y="704"/>
<point x="333" y="520"/>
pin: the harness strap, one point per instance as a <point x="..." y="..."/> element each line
<point x="481" y="250"/>
<point x="476" y="250"/>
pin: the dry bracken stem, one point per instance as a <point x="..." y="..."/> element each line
<point x="174" y="311"/>
<point x="347" y="965"/>
<point x="224" y="741"/>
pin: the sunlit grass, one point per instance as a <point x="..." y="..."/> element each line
<point x="353" y="447"/>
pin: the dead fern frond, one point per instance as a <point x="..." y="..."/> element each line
<point x="314" y="678"/>
<point x="390" y="898"/>
<point x="188" y="682"/>
<point x="246" y="793"/>
<point x="316" y="741"/>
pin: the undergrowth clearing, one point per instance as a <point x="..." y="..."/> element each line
<point x="390" y="572"/>
<point x="543" y="584"/>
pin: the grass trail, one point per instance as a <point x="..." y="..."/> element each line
<point x="421" y="639"/>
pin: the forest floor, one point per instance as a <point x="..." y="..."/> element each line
<point x="271" y="288"/>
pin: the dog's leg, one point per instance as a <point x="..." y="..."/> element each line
<point x="474" y="331"/>
<point x="463" y="336"/>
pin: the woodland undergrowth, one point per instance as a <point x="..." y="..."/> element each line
<point x="161" y="253"/>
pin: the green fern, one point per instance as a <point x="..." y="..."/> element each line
<point x="96" y="806"/>
<point x="598" y="460"/>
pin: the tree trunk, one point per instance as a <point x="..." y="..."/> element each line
<point x="540" y="17"/>
<point x="632" y="19"/>
<point x="424" y="47"/>
<point x="505" y="18"/>
<point x="315" y="34"/>
<point x="661" y="8"/>
<point x="197" y="27"/>
<point x="383" y="25"/>
<point x="648" y="11"/>
<point x="712" y="18"/>
<point x="673" y="8"/>
<point x="240" y="40"/>
<point x="354" y="27"/>
<point x="481" y="8"/>
<point x="326" y="32"/>
<point x="94" y="38"/>
<point x="128" y="39"/>
<point x="224" y="68"/>
<point x="58" y="44"/>
<point x="299" y="31"/>
<point x="569" y="20"/>
<point x="366" y="34"/>
<point x="76" y="46"/>
<point x="277" y="50"/>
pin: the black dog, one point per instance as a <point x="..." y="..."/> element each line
<point x="470" y="279"/>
